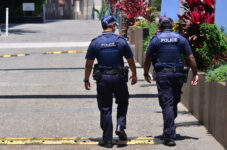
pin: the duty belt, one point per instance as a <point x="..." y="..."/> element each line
<point x="169" y="70"/>
<point x="110" y="72"/>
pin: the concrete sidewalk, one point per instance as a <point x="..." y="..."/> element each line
<point x="78" y="116"/>
<point x="53" y="31"/>
<point x="44" y="96"/>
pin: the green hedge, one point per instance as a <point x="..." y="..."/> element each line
<point x="152" y="26"/>
<point x="217" y="73"/>
<point x="215" y="43"/>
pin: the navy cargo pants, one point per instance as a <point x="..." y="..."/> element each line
<point x="108" y="86"/>
<point x="169" y="93"/>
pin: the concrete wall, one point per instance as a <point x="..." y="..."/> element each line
<point x="136" y="37"/>
<point x="208" y="103"/>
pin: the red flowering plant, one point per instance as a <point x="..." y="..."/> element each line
<point x="196" y="12"/>
<point x="130" y="10"/>
<point x="112" y="5"/>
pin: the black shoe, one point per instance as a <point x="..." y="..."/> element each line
<point x="106" y="144"/>
<point x="121" y="133"/>
<point x="169" y="143"/>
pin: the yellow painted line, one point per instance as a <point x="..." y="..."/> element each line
<point x="71" y="141"/>
<point x="57" y="52"/>
<point x="73" y="51"/>
<point x="68" y="51"/>
<point x="145" y="138"/>
<point x="20" y="55"/>
<point x="6" y="56"/>
<point x="13" y="55"/>
<point x="54" y="52"/>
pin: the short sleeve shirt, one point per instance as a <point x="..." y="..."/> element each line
<point x="123" y="46"/>
<point x="154" y="45"/>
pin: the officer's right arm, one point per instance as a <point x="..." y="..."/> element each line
<point x="193" y="66"/>
<point x="127" y="52"/>
<point x="90" y="56"/>
<point x="192" y="62"/>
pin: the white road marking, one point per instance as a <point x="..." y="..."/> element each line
<point x="44" y="45"/>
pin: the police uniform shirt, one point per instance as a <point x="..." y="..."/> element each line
<point x="169" y="39"/>
<point x="110" y="42"/>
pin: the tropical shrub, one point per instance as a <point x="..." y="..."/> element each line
<point x="156" y="4"/>
<point x="103" y="11"/>
<point x="196" y="13"/>
<point x="219" y="57"/>
<point x="152" y="26"/>
<point x="112" y="4"/>
<point x="130" y="10"/>
<point x="213" y="47"/>
<point x="217" y="73"/>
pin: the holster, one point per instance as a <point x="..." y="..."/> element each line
<point x="97" y="74"/>
<point x="154" y="74"/>
<point x="123" y="74"/>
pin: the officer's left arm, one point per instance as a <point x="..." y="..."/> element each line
<point x="129" y="56"/>
<point x="88" y="69"/>
<point x="192" y="62"/>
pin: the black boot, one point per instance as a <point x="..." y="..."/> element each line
<point x="106" y="144"/>
<point x="169" y="143"/>
<point x="121" y="133"/>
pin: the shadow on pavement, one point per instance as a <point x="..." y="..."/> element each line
<point x="20" y="31"/>
<point x="148" y="85"/>
<point x="67" y="96"/>
<point x="159" y="139"/>
<point x="179" y="112"/>
<point x="187" y="124"/>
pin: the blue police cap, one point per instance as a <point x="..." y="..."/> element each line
<point x="108" y="21"/>
<point x="165" y="21"/>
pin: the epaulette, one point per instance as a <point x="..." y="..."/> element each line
<point x="94" y="39"/>
<point x="154" y="36"/>
<point x="121" y="37"/>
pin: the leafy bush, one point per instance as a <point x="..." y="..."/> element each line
<point x="196" y="13"/>
<point x="152" y="30"/>
<point x="102" y="13"/>
<point x="130" y="10"/>
<point x="217" y="73"/>
<point x="214" y="45"/>
<point x="152" y="26"/>
<point x="157" y="4"/>
<point x="112" y="5"/>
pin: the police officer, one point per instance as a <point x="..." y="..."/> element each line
<point x="164" y="51"/>
<point x="111" y="76"/>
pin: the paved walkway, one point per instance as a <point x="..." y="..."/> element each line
<point x="43" y="96"/>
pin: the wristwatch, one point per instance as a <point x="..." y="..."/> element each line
<point x="85" y="81"/>
<point x="145" y="74"/>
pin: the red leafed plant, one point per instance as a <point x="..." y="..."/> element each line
<point x="112" y="5"/>
<point x="130" y="10"/>
<point x="196" y="12"/>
